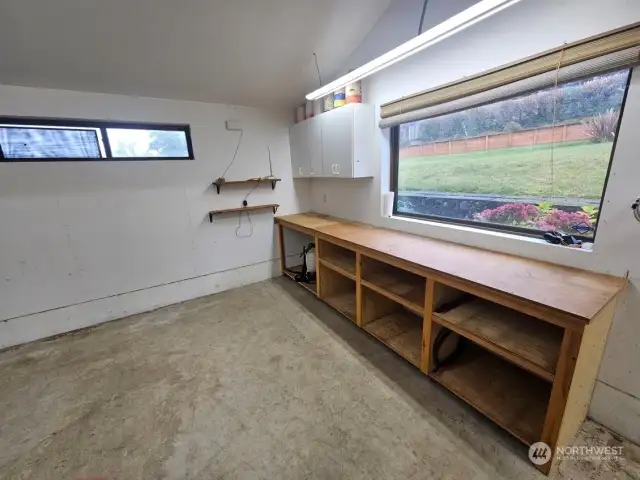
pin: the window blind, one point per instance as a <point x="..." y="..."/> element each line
<point x="606" y="52"/>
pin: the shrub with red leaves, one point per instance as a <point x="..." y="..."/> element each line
<point x="509" y="213"/>
<point x="564" y="221"/>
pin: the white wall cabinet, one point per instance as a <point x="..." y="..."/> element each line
<point x="338" y="143"/>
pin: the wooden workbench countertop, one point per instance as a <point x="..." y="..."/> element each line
<point x="579" y="293"/>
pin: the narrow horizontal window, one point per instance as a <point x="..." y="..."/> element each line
<point x="49" y="142"/>
<point x="71" y="140"/>
<point x="141" y="143"/>
<point x="532" y="163"/>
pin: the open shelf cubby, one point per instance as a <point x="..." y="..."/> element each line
<point x="337" y="258"/>
<point x="523" y="340"/>
<point x="392" y="324"/>
<point x="338" y="291"/>
<point x="399" y="285"/>
<point x="511" y="397"/>
<point x="291" y="272"/>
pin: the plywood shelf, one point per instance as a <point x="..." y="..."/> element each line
<point x="526" y="341"/>
<point x="252" y="181"/>
<point x="341" y="264"/>
<point x="291" y="272"/>
<point x="400" y="331"/>
<point x="337" y="258"/>
<point x="399" y="285"/>
<point x="511" y="397"/>
<point x="344" y="302"/>
<point x="252" y="208"/>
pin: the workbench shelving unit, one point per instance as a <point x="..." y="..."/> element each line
<point x="530" y="335"/>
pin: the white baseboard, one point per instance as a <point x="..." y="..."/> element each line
<point x="616" y="410"/>
<point x="41" y="325"/>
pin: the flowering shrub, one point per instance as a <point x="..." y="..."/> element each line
<point x="564" y="221"/>
<point x="513" y="213"/>
<point x="545" y="218"/>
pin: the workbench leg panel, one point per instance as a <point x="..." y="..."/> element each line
<point x="283" y="258"/>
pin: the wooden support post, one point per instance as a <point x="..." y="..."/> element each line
<point x="358" y="289"/>
<point x="560" y="391"/>
<point x="425" y="359"/>
<point x="283" y="257"/>
<point x="576" y="374"/>
<point x="316" y="241"/>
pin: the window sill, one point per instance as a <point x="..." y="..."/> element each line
<point x="447" y="229"/>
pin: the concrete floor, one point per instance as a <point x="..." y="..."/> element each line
<point x="259" y="382"/>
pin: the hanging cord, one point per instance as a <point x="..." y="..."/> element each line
<point x="553" y="125"/>
<point x="240" y="225"/>
<point x="318" y="68"/>
<point x="234" y="155"/>
<point x="251" y="191"/>
<point x="244" y="201"/>
<point x="424" y="10"/>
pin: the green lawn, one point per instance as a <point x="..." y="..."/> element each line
<point x="579" y="171"/>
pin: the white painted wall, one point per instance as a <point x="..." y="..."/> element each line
<point x="81" y="243"/>
<point x="522" y="30"/>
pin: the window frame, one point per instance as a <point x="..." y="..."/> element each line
<point x="394" y="173"/>
<point x="101" y="126"/>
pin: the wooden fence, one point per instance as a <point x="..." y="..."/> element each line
<point x="526" y="138"/>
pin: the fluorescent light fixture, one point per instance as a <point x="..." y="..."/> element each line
<point x="453" y="25"/>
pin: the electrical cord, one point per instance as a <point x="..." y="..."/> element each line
<point x="244" y="203"/>
<point x="240" y="225"/>
<point x="318" y="68"/>
<point x="251" y="191"/>
<point x="424" y="10"/>
<point x="234" y="155"/>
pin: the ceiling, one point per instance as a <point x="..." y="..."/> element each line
<point x="244" y="52"/>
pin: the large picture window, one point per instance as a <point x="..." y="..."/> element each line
<point x="41" y="140"/>
<point x="529" y="163"/>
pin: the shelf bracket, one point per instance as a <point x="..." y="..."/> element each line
<point x="273" y="185"/>
<point x="217" y="187"/>
<point x="211" y="217"/>
<point x="275" y="209"/>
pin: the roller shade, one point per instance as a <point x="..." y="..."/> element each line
<point x="608" y="52"/>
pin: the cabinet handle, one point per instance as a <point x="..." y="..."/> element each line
<point x="311" y="173"/>
<point x="338" y="169"/>
<point x="335" y="169"/>
<point x="300" y="170"/>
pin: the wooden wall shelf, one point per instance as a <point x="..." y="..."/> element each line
<point x="532" y="334"/>
<point x="252" y="208"/>
<point x="273" y="182"/>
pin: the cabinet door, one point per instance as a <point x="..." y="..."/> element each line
<point x="337" y="142"/>
<point x="314" y="137"/>
<point x="299" y="150"/>
<point x="364" y="140"/>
